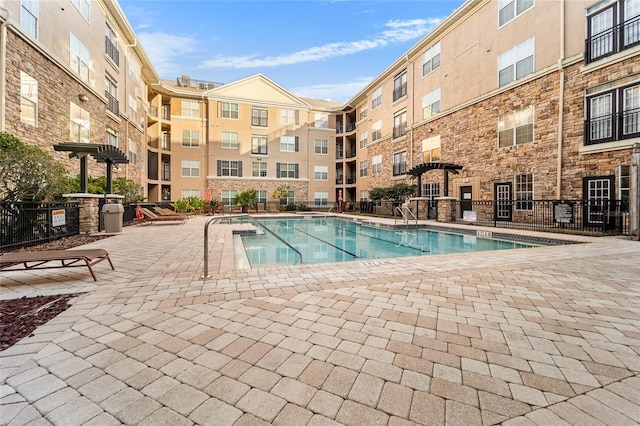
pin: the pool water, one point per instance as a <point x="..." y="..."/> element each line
<point x="311" y="240"/>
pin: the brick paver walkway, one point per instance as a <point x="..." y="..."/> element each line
<point x="543" y="336"/>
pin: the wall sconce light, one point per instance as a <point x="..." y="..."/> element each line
<point x="430" y="130"/>
<point x="83" y="97"/>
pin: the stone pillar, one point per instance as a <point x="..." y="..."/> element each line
<point x="634" y="194"/>
<point x="90" y="209"/>
<point x="446" y="209"/>
<point x="421" y="207"/>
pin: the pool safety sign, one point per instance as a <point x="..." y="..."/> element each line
<point x="58" y="217"/>
<point x="563" y="212"/>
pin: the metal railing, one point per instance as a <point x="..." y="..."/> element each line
<point x="28" y="224"/>
<point x="613" y="40"/>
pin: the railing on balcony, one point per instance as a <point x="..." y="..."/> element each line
<point x="613" y="40"/>
<point x="612" y="127"/>
<point x="112" y="51"/>
<point x="400" y="130"/>
<point x="166" y="172"/>
<point x="166" y="141"/>
<point x="112" y="103"/>
<point x="339" y="180"/>
<point x="399" y="91"/>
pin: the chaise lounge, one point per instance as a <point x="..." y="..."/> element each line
<point x="150" y="217"/>
<point x="29" y="260"/>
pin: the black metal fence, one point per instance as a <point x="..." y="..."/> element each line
<point x="28" y="224"/>
<point x="569" y="216"/>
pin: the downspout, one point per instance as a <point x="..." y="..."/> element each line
<point x="126" y="92"/>
<point x="3" y="67"/>
<point x="560" y="105"/>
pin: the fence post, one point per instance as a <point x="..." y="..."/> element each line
<point x="634" y="194"/>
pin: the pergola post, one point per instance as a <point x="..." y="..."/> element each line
<point x="84" y="175"/>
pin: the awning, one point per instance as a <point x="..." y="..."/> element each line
<point x="420" y="169"/>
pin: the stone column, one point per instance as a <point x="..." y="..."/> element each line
<point x="634" y="194"/>
<point x="446" y="209"/>
<point x="90" y="209"/>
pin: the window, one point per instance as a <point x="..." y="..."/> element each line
<point x="79" y="124"/>
<point x="321" y="146"/>
<point x="376" y="131"/>
<point x="400" y="124"/>
<point x="111" y="45"/>
<point x="376" y="164"/>
<point x="227" y="196"/>
<point x="191" y="138"/>
<point x="111" y="93"/>
<point x="28" y="99"/>
<point x="400" y="85"/>
<point x="288" y="144"/>
<point x="364" y="112"/>
<point x="321" y="172"/>
<point x="431" y="104"/>
<point x="29" y="17"/>
<point x="190" y="109"/>
<point x="83" y="6"/>
<point x="133" y="109"/>
<point x="399" y="163"/>
<point x="229" y="168"/>
<point x="624" y="183"/>
<point x="258" y="169"/>
<point x="112" y="137"/>
<point x="516" y="62"/>
<point x="613" y="115"/>
<point x="133" y="152"/>
<point x="431" y="59"/>
<point x="190" y="193"/>
<point x="363" y="140"/>
<point x="79" y="58"/>
<point x="229" y="110"/>
<point x="261" y="196"/>
<point x="363" y="168"/>
<point x="524" y="192"/>
<point x="190" y="168"/>
<point x="133" y="67"/>
<point x="287" y="116"/>
<point x="515" y="128"/>
<point x="287" y="170"/>
<point x="612" y="28"/>
<point x="431" y="149"/>
<point x="509" y="9"/>
<point x="259" y="117"/>
<point x="230" y="140"/>
<point x="321" y="198"/>
<point x="430" y="190"/>
<point x="364" y="195"/>
<point x="259" y="145"/>
<point x="321" y="120"/>
<point x="376" y="98"/>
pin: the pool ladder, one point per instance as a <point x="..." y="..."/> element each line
<point x="404" y="215"/>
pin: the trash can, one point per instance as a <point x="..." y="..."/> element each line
<point x="112" y="218"/>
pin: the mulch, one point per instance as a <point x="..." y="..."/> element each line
<point x="20" y="317"/>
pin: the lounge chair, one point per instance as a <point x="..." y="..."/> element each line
<point x="151" y="217"/>
<point x="28" y="260"/>
<point x="162" y="211"/>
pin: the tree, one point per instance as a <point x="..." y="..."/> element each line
<point x="246" y="199"/>
<point x="281" y="193"/>
<point x="29" y="173"/>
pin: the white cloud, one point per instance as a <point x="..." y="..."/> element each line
<point x="395" y="32"/>
<point x="165" y="50"/>
<point x="339" y="92"/>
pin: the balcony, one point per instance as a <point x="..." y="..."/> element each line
<point x="112" y="104"/>
<point x="112" y="51"/>
<point x="166" y="112"/>
<point x="614" y="127"/>
<point x="400" y="91"/>
<point x="616" y="39"/>
<point x="400" y="130"/>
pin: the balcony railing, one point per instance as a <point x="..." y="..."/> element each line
<point x="613" y="40"/>
<point x="166" y="112"/>
<point x="400" y="130"/>
<point x="112" y="51"/>
<point x="612" y="127"/>
<point x="399" y="91"/>
<point x="112" y="104"/>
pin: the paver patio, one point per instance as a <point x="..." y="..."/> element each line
<point x="549" y="335"/>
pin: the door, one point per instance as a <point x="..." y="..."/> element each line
<point x="598" y="195"/>
<point x="465" y="199"/>
<point x="504" y="204"/>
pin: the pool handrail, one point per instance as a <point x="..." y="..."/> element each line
<point x="404" y="216"/>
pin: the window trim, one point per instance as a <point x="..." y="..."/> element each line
<point x="231" y="112"/>
<point x="31" y="100"/>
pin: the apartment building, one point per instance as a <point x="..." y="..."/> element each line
<point x="73" y="71"/>
<point x="248" y="134"/>
<point x="533" y="99"/>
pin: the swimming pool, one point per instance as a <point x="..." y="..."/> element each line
<point x="317" y="239"/>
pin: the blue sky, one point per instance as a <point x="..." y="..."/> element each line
<point x="325" y="49"/>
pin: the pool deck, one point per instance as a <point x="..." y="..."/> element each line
<point x="541" y="336"/>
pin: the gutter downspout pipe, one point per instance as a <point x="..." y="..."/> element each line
<point x="6" y="15"/>
<point x="560" y="104"/>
